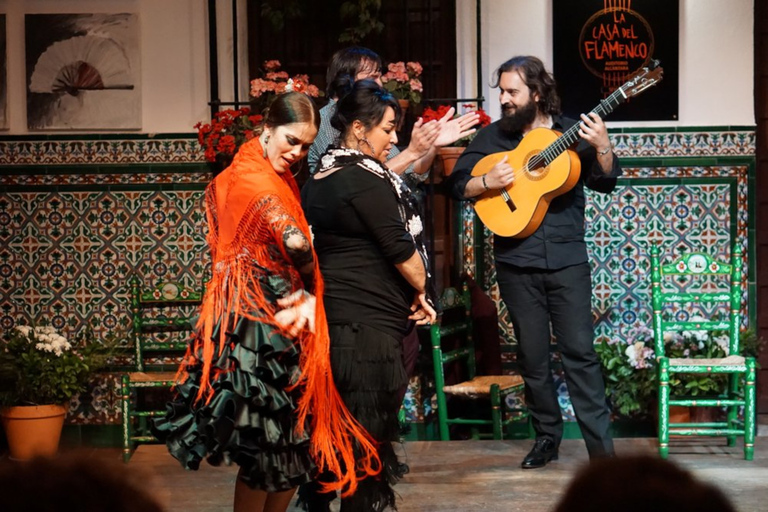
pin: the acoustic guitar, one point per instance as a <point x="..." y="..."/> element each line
<point x="545" y="167"/>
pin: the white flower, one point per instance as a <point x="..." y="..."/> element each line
<point x="638" y="355"/>
<point x="700" y="336"/>
<point x="414" y="226"/>
<point x="24" y="330"/>
<point x="723" y="342"/>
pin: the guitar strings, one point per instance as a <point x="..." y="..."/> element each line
<point x="563" y="142"/>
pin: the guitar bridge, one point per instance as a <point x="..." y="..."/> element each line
<point x="510" y="203"/>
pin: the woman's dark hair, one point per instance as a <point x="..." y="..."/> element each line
<point x="345" y="65"/>
<point x="366" y="102"/>
<point x="536" y="77"/>
<point x="292" y="107"/>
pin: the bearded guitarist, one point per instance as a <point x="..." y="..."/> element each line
<point x="544" y="278"/>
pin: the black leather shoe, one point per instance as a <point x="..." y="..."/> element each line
<point x="402" y="469"/>
<point x="544" y="450"/>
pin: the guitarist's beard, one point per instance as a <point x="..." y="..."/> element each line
<point x="514" y="122"/>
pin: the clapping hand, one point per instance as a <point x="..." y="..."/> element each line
<point x="452" y="130"/>
<point x="423" y="136"/>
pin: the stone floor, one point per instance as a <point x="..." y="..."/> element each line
<point x="474" y="475"/>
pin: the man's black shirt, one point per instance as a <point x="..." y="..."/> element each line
<point x="559" y="240"/>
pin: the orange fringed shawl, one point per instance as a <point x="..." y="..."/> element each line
<point x="237" y="236"/>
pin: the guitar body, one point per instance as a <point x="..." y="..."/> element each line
<point x="519" y="212"/>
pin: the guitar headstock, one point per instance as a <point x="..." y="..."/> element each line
<point x="644" y="78"/>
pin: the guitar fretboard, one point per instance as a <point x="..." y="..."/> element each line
<point x="571" y="136"/>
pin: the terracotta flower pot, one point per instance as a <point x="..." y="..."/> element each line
<point x="447" y="158"/>
<point x="33" y="430"/>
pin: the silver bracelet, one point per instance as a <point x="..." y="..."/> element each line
<point x="605" y="151"/>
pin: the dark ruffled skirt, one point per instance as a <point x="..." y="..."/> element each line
<point x="250" y="419"/>
<point x="368" y="370"/>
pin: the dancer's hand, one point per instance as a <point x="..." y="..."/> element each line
<point x="298" y="312"/>
<point x="422" y="312"/>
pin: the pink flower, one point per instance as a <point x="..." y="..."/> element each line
<point x="414" y="68"/>
<point x="271" y="65"/>
<point x="313" y="91"/>
<point x="260" y="86"/>
<point x="277" y="75"/>
<point x="396" y="67"/>
<point x="416" y="85"/>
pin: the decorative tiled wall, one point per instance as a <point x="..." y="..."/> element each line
<point x="79" y="215"/>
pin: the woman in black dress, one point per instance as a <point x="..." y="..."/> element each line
<point x="367" y="235"/>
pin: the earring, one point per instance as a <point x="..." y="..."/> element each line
<point x="365" y="141"/>
<point x="264" y="143"/>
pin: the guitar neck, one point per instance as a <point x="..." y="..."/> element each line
<point x="571" y="136"/>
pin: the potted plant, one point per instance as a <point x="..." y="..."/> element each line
<point x="229" y="129"/>
<point x="402" y="80"/>
<point x="223" y="136"/>
<point x="273" y="81"/>
<point x="629" y="366"/>
<point x="40" y="372"/>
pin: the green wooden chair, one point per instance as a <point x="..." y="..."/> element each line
<point x="162" y="318"/>
<point x="695" y="281"/>
<point x="456" y="322"/>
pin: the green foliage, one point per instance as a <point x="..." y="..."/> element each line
<point x="276" y="12"/>
<point x="39" y="366"/>
<point x="630" y="369"/>
<point x="362" y="16"/>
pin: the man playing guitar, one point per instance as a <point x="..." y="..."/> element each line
<point x="543" y="274"/>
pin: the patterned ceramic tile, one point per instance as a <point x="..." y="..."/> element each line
<point x="92" y="152"/>
<point x="66" y="256"/>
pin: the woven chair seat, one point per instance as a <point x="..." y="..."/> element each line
<point x="152" y="376"/>
<point x="480" y="386"/>
<point x="724" y="361"/>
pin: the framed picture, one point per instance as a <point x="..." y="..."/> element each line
<point x="83" y="72"/>
<point x="600" y="44"/>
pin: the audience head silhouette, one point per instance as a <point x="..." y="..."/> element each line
<point x="72" y="483"/>
<point x="640" y="484"/>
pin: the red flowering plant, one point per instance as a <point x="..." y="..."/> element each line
<point x="230" y="129"/>
<point x="402" y="80"/>
<point x="274" y="81"/>
<point x="223" y="136"/>
<point x="430" y="114"/>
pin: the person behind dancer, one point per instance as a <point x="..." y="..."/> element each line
<point x="545" y="278"/>
<point x="254" y="387"/>
<point x="368" y="241"/>
<point x="357" y="63"/>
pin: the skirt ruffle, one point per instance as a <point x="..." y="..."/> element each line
<point x="250" y="418"/>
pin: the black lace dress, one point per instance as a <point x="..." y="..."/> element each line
<point x="363" y="224"/>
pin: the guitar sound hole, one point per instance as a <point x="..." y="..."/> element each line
<point x="535" y="166"/>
